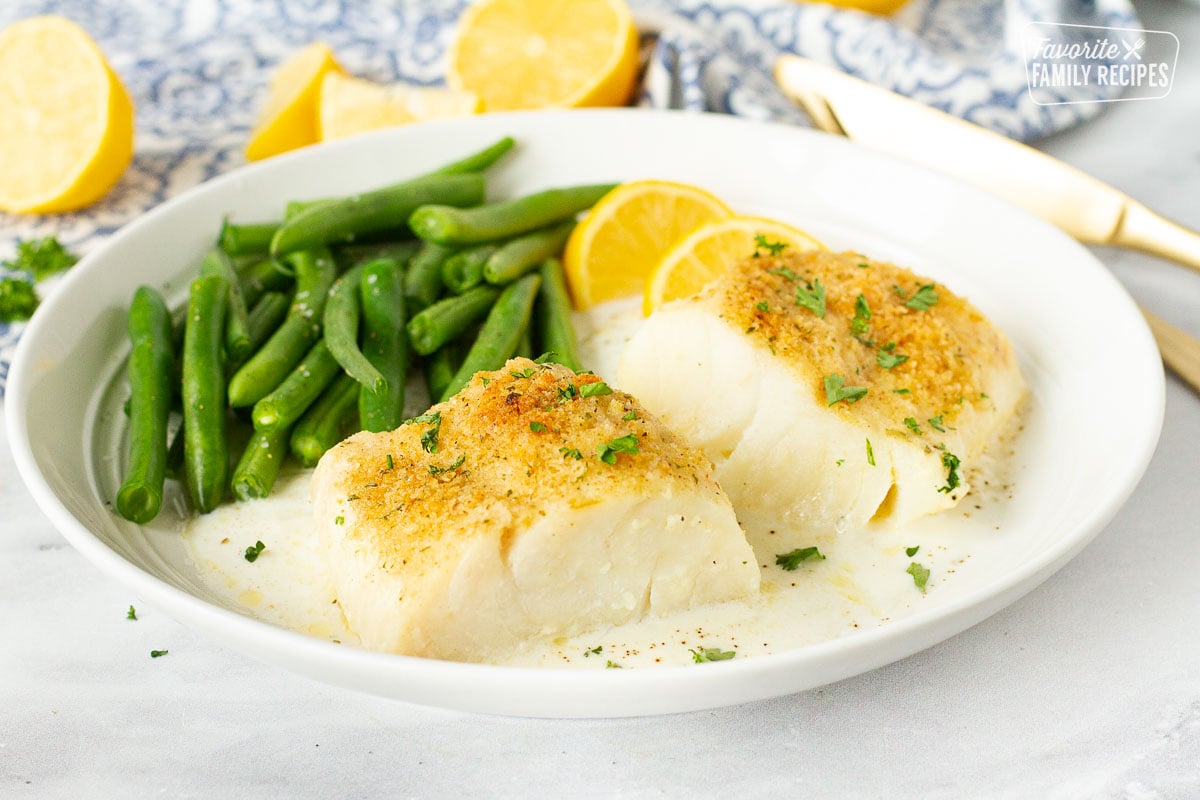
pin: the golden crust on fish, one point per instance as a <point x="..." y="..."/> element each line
<point x="482" y="522"/>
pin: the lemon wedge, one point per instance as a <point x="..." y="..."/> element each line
<point x="545" y="53"/>
<point x="66" y="121"/>
<point x="351" y="105"/>
<point x="289" y="118"/>
<point x="708" y="251"/>
<point x="613" y="250"/>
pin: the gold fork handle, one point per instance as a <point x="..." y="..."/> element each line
<point x="1149" y="232"/>
<point x="1179" y="350"/>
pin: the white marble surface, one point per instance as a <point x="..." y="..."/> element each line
<point x="1089" y="687"/>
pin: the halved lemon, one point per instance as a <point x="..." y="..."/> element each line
<point x="351" y="105"/>
<point x="705" y="253"/>
<point x="66" y="121"/>
<point x="545" y="53"/>
<point x="881" y="7"/>
<point x="616" y="247"/>
<point x="289" y="118"/>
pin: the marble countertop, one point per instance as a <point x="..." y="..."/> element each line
<point x="1087" y="687"/>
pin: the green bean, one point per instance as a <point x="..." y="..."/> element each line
<point x="464" y="269"/>
<point x="246" y="240"/>
<point x="325" y="422"/>
<point x="344" y="219"/>
<point x="552" y="316"/>
<point x="267" y="368"/>
<point x="263" y="275"/>
<point x="206" y="454"/>
<point x="385" y="344"/>
<point x="423" y="280"/>
<point x="351" y="255"/>
<point x="265" y="317"/>
<point x="501" y="333"/>
<point x="525" y="345"/>
<point x="295" y="207"/>
<point x="237" y="333"/>
<point x="478" y="162"/>
<point x="446" y="319"/>
<point x="447" y="225"/>
<point x="299" y="389"/>
<point x="151" y="367"/>
<point x="175" y="455"/>
<point x="342" y="312"/>
<point x="441" y="366"/>
<point x="257" y="469"/>
<point x="520" y="255"/>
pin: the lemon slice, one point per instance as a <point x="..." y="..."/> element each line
<point x="351" y="105"/>
<point x="289" y="118"/>
<point x="881" y="7"/>
<point x="613" y="250"/>
<point x="545" y="53"/>
<point x="709" y="250"/>
<point x="66" y="122"/>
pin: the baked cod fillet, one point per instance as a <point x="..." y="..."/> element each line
<point x="536" y="502"/>
<point x="829" y="390"/>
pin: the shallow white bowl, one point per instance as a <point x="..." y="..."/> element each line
<point x="1094" y="371"/>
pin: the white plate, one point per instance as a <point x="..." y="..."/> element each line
<point x="1097" y="383"/>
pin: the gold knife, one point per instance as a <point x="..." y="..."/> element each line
<point x="1086" y="208"/>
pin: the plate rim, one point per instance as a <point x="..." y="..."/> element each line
<point x="280" y="646"/>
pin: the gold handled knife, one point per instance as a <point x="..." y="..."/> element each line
<point x="1086" y="208"/>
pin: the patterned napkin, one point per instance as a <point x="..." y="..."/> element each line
<point x="197" y="71"/>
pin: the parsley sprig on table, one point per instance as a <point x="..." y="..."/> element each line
<point x="39" y="258"/>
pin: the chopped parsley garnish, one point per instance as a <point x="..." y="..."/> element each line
<point x="794" y="559"/>
<point x="630" y="416"/>
<point x="920" y="575"/>
<point x="914" y="426"/>
<point x="41" y="258"/>
<point x="711" y="654"/>
<point x="840" y="461"/>
<point x="594" y="389"/>
<point x="787" y="273"/>
<point x="951" y="463"/>
<point x="548" y="356"/>
<point x="870" y="453"/>
<point x="622" y="444"/>
<point x="254" y="551"/>
<point x="610" y="664"/>
<point x="570" y="452"/>
<point x="836" y="390"/>
<point x="436" y="470"/>
<point x="429" y="439"/>
<point x="936" y="423"/>
<point x="901" y="391"/>
<point x="762" y="244"/>
<point x="131" y="613"/>
<point x="524" y="373"/>
<point x="537" y="427"/>
<point x="158" y="653"/>
<point x="862" y="314"/>
<point x="339" y="520"/>
<point x="888" y="358"/>
<point x="911" y="551"/>
<point x="595" y="651"/>
<point x="567" y="392"/>
<point x="923" y="299"/>
<point x="863" y="265"/>
<point x="485" y="380"/>
<point x="390" y="463"/>
<point x="18" y="300"/>
<point x="812" y="298"/>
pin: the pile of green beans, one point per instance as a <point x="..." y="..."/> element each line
<point x="307" y="327"/>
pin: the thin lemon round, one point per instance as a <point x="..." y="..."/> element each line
<point x="349" y="106"/>
<point x="519" y="54"/>
<point x="708" y="251"/>
<point x="289" y="117"/>
<point x="66" y="121"/>
<point x="618" y="244"/>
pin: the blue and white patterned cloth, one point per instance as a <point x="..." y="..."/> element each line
<point x="197" y="71"/>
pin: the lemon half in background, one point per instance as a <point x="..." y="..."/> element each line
<point x="66" y="121"/>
